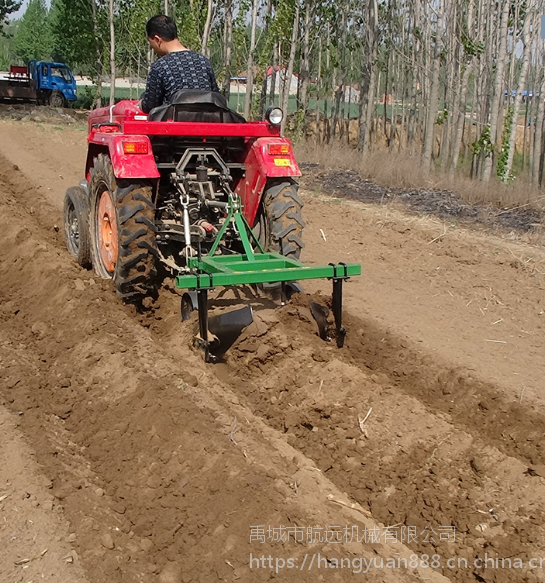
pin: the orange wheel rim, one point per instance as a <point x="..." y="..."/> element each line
<point x="107" y="231"/>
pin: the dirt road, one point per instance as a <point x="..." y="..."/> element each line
<point x="125" y="458"/>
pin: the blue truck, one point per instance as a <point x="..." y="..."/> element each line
<point x="40" y="82"/>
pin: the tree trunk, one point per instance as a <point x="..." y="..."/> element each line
<point x="326" y="86"/>
<point x="227" y="48"/>
<point x="305" y="68"/>
<point x="112" y="54"/>
<point x="526" y="54"/>
<point x="385" y="94"/>
<point x="480" y="102"/>
<point x="512" y="64"/>
<point x="451" y="87"/>
<point x="369" y="111"/>
<point x="319" y="90"/>
<point x="250" y="64"/>
<point x="263" y="98"/>
<point x="462" y="99"/>
<point x="498" y="88"/>
<point x="537" y="157"/>
<point x="97" y="101"/>
<point x="205" y="50"/>
<point x="339" y="91"/>
<point x="293" y="47"/>
<point x="460" y="121"/>
<point x="433" y="100"/>
<point x="416" y="70"/>
<point x="272" y="92"/>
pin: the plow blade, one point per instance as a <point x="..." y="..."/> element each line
<point x="320" y="314"/>
<point x="221" y="330"/>
<point x="227" y="327"/>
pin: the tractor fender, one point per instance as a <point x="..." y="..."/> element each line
<point x="260" y="166"/>
<point x="125" y="165"/>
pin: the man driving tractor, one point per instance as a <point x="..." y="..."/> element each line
<point x="177" y="68"/>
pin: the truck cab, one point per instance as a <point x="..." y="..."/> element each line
<point x="53" y="82"/>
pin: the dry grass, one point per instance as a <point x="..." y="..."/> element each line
<point x="398" y="170"/>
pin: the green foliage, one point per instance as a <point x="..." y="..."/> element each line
<point x="241" y="45"/>
<point x="76" y="41"/>
<point x="86" y="97"/>
<point x="7" y="7"/>
<point x="130" y="28"/>
<point x="471" y="47"/>
<point x="191" y="23"/>
<point x="512" y="21"/>
<point x="484" y="144"/>
<point x="295" y="127"/>
<point x="282" y="26"/>
<point x="7" y="57"/>
<point x="33" y="38"/>
<point x="503" y="174"/>
<point x="441" y="117"/>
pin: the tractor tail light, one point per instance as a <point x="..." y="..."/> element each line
<point x="135" y="147"/>
<point x="279" y="149"/>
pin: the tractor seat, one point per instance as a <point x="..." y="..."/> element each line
<point x="193" y="105"/>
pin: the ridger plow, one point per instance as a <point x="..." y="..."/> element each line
<point x="194" y="191"/>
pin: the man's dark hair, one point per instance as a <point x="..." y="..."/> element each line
<point x="162" y="26"/>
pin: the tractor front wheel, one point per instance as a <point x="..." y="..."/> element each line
<point x="280" y="224"/>
<point x="76" y="225"/>
<point x="122" y="229"/>
<point x="56" y="99"/>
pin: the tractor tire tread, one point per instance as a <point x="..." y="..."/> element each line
<point x="296" y="216"/>
<point x="147" y="222"/>
<point x="276" y="189"/>
<point x="123" y="191"/>
<point x="129" y="236"/>
<point x="127" y="212"/>
<point x="279" y="207"/>
<point x="135" y="271"/>
<point x="151" y="249"/>
<point x="146" y="200"/>
<point x="281" y="218"/>
<point x="134" y="260"/>
<point x="76" y="198"/>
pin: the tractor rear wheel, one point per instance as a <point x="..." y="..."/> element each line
<point x="280" y="224"/>
<point x="122" y="228"/>
<point x="76" y="225"/>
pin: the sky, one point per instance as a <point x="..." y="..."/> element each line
<point x="21" y="10"/>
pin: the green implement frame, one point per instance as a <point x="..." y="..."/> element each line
<point x="252" y="267"/>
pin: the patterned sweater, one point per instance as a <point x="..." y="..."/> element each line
<point x="175" y="71"/>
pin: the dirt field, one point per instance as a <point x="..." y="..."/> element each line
<point x="125" y="458"/>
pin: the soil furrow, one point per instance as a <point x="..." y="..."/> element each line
<point x="163" y="464"/>
<point x="441" y="449"/>
<point x="155" y="484"/>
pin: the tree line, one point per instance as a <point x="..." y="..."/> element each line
<point x="458" y="82"/>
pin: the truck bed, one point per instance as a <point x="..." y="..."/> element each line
<point x="16" y="91"/>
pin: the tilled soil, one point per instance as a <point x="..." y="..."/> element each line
<point x="38" y="114"/>
<point x="156" y="467"/>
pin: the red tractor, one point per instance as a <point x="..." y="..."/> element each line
<point x="194" y="189"/>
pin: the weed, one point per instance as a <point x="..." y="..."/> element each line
<point x="401" y="170"/>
